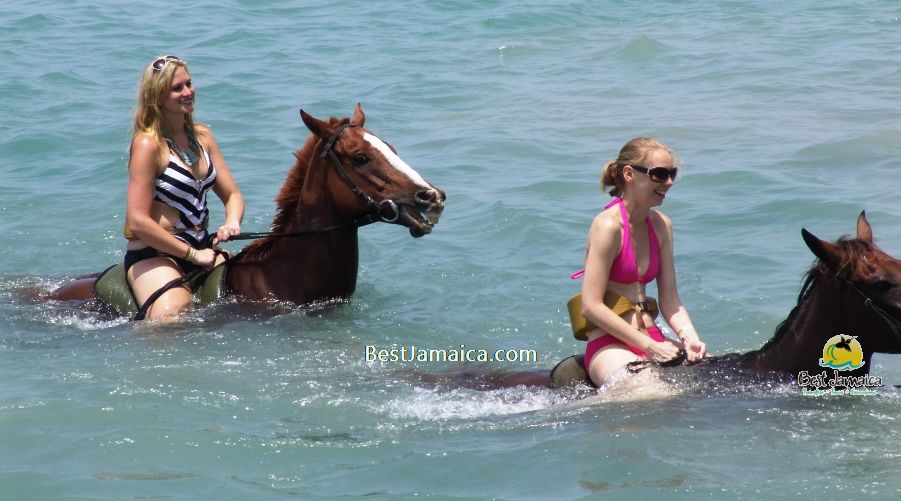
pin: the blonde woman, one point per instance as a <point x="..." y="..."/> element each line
<point x="173" y="163"/>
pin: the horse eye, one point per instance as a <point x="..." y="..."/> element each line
<point x="361" y="159"/>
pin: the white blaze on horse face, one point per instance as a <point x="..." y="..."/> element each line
<point x="396" y="161"/>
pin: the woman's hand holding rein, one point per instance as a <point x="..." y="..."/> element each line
<point x="226" y="231"/>
<point x="203" y="257"/>
<point x="695" y="349"/>
<point x="660" y="352"/>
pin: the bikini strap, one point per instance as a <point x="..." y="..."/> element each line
<point x="653" y="253"/>
<point x="627" y="235"/>
<point x="627" y="254"/>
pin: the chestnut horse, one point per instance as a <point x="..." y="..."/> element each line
<point x="344" y="177"/>
<point x="852" y="290"/>
<point x="343" y="174"/>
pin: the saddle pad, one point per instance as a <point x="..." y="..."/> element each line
<point x="112" y="288"/>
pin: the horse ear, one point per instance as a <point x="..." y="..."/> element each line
<point x="359" y="117"/>
<point x="864" y="231"/>
<point x="316" y="126"/>
<point x="827" y="252"/>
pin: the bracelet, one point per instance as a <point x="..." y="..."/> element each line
<point x="683" y="329"/>
<point x="190" y="255"/>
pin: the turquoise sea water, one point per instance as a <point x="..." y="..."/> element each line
<point x="784" y="113"/>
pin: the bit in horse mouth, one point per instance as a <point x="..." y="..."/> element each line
<point x="432" y="214"/>
<point x="420" y="222"/>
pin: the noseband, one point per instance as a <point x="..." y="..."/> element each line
<point x="379" y="208"/>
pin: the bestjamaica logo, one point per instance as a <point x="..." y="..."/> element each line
<point x="842" y="353"/>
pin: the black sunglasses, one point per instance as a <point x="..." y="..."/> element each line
<point x="161" y="62"/>
<point x="657" y="174"/>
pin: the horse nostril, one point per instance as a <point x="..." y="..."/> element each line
<point x="427" y="197"/>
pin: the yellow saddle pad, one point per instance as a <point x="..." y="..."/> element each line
<point x="619" y="304"/>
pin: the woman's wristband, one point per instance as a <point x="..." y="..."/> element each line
<point x="190" y="255"/>
<point x="686" y="330"/>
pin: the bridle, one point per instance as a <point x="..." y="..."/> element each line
<point x="891" y="322"/>
<point x="378" y="213"/>
<point x="328" y="150"/>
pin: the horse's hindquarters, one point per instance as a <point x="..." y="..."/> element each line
<point x="81" y="289"/>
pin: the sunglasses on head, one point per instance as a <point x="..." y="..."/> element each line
<point x="657" y="174"/>
<point x="161" y="62"/>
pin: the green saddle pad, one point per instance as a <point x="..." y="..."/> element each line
<point x="112" y="288"/>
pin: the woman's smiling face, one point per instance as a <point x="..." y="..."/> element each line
<point x="646" y="187"/>
<point x="180" y="98"/>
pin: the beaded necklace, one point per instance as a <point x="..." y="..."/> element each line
<point x="189" y="157"/>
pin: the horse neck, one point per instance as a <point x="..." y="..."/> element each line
<point x="316" y="209"/>
<point x="823" y="311"/>
<point x="304" y="268"/>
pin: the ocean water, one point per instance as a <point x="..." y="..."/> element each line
<point x="785" y="115"/>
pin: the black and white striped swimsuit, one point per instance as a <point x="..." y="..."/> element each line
<point x="177" y="188"/>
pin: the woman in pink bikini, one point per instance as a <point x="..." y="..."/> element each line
<point x="630" y="245"/>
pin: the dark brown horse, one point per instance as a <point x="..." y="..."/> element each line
<point x="853" y="290"/>
<point x="344" y="177"/>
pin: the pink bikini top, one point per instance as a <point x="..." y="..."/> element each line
<point x="625" y="267"/>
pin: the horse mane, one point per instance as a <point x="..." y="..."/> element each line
<point x="289" y="195"/>
<point x="810" y="279"/>
<point x="850" y="251"/>
<point x="288" y="199"/>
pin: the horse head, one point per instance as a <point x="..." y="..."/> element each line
<point x="870" y="278"/>
<point x="366" y="176"/>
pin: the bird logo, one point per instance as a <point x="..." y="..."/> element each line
<point x="842" y="353"/>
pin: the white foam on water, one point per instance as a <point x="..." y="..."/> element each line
<point x="437" y="405"/>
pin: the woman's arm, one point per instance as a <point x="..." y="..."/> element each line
<point x="226" y="189"/>
<point x="670" y="304"/>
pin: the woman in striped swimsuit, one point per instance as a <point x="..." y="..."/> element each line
<point x="173" y="162"/>
<point x="629" y="245"/>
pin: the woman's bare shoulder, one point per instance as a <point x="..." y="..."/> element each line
<point x="606" y="228"/>
<point x="144" y="142"/>
<point x="663" y="226"/>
